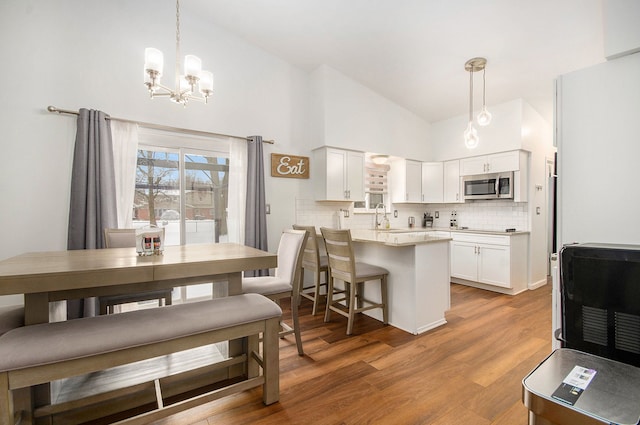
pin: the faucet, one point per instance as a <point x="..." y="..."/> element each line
<point x="378" y="223"/>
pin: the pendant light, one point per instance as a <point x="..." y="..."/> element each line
<point x="471" y="138"/>
<point x="185" y="85"/>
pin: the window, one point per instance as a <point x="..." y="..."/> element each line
<point x="182" y="185"/>
<point x="183" y="191"/>
<point x="375" y="186"/>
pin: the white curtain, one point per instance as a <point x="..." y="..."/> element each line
<point x="237" y="190"/>
<point x="125" y="152"/>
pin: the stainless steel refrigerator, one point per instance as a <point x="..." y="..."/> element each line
<point x="598" y="140"/>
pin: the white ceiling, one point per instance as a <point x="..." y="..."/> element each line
<point x="413" y="51"/>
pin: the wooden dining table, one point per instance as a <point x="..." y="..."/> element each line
<point x="45" y="277"/>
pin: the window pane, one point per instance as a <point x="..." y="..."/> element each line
<point x="157" y="196"/>
<point x="375" y="199"/>
<point x="206" y="193"/>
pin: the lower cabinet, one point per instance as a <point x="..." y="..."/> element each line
<point x="492" y="260"/>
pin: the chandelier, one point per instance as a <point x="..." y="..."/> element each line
<point x="185" y="84"/>
<point x="471" y="138"/>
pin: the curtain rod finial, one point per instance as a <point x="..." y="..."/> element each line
<point x="52" y="108"/>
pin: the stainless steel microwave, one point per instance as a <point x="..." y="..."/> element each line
<point x="488" y="186"/>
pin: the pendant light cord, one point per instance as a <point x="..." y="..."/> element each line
<point x="471" y="95"/>
<point x="177" y="45"/>
<point x="484" y="88"/>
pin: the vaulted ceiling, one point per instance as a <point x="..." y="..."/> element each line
<point x="413" y="51"/>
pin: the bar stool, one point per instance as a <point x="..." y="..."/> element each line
<point x="314" y="262"/>
<point x="343" y="266"/>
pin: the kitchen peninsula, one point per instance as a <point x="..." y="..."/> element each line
<point x="418" y="285"/>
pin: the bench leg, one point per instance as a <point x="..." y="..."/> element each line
<point x="253" y="345"/>
<point x="6" y="409"/>
<point x="271" y="362"/>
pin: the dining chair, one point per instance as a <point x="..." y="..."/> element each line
<point x="286" y="280"/>
<point x="125" y="238"/>
<point x="315" y="263"/>
<point x="343" y="266"/>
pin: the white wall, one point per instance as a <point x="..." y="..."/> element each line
<point x="621" y="29"/>
<point x="537" y="138"/>
<point x="352" y="115"/>
<point x="503" y="134"/>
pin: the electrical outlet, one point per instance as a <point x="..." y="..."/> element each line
<point x="346" y="213"/>
<point x="395" y="213"/>
<point x="437" y="214"/>
<point x="268" y="208"/>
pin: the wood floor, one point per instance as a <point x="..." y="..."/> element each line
<point x="468" y="371"/>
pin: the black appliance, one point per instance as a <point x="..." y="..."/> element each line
<point x="600" y="293"/>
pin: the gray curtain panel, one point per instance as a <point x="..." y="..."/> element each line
<point x="255" y="227"/>
<point x="93" y="192"/>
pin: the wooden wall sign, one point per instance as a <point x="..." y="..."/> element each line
<point x="289" y="166"/>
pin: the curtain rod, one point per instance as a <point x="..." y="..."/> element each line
<point x="158" y="126"/>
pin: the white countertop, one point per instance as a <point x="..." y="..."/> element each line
<point x="415" y="235"/>
<point x="448" y="229"/>
<point x="395" y="237"/>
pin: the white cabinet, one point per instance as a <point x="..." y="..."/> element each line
<point x="406" y="181"/>
<point x="432" y="182"/>
<point x="338" y="175"/>
<point x="452" y="185"/>
<point x="494" y="260"/>
<point x="495" y="163"/>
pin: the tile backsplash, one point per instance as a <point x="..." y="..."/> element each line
<point x="495" y="215"/>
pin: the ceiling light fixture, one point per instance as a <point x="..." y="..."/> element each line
<point x="379" y="159"/>
<point x="184" y="84"/>
<point x="471" y="138"/>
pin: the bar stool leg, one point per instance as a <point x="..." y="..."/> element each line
<point x="327" y="314"/>
<point x="352" y="307"/>
<point x="385" y="302"/>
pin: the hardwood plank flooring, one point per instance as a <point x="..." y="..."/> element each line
<point x="468" y="371"/>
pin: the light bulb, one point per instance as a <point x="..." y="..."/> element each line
<point x="471" y="137"/>
<point x="192" y="66"/>
<point x="153" y="59"/>
<point x="484" y="117"/>
<point x="185" y="87"/>
<point x="206" y="83"/>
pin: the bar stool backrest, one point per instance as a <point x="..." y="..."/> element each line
<point x="340" y="252"/>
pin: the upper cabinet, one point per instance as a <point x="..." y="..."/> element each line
<point x="432" y="182"/>
<point x="494" y="163"/>
<point x="406" y="181"/>
<point x="338" y="175"/>
<point x="452" y="186"/>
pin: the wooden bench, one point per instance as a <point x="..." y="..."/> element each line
<point x="43" y="353"/>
